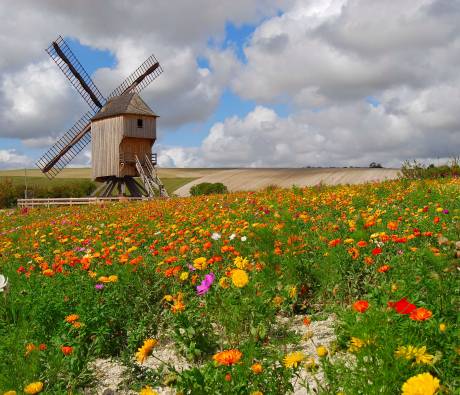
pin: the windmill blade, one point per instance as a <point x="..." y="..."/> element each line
<point x="60" y="52"/>
<point x="143" y="76"/>
<point x="67" y="147"/>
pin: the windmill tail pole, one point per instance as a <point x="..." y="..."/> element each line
<point x="61" y="153"/>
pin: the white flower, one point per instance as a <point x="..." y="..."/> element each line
<point x="3" y="282"/>
<point x="157" y="233"/>
<point x="232" y="236"/>
<point x="244" y="238"/>
<point x="215" y="236"/>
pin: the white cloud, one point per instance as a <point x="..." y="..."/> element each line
<point x="11" y="159"/>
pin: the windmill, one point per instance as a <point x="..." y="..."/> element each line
<point x="122" y="129"/>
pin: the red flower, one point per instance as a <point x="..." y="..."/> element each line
<point x="384" y="268"/>
<point x="66" y="350"/>
<point x="361" y="306"/>
<point x="420" y="314"/>
<point x="376" y="251"/>
<point x="402" y="306"/>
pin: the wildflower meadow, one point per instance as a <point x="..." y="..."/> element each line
<point x="237" y="287"/>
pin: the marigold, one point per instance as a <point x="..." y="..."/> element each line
<point x="241" y="263"/>
<point x="421" y="384"/>
<point x="293" y="359"/>
<point x="144" y="351"/>
<point x="384" y="268"/>
<point x="227" y="357"/>
<point x="223" y="282"/>
<point x="321" y="351"/>
<point x="361" y="306"/>
<point x="420" y="314"/>
<point x="147" y="390"/>
<point x="354" y="253"/>
<point x="33" y="388"/>
<point x="71" y="318"/>
<point x="239" y="278"/>
<point x="256" y="368"/>
<point x="200" y="263"/>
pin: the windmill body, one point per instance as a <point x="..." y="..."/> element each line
<point x="122" y="130"/>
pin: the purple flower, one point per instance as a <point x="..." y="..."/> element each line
<point x="446" y="211"/>
<point x="99" y="286"/>
<point x="205" y="284"/>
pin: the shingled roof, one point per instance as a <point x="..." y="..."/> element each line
<point x="128" y="103"/>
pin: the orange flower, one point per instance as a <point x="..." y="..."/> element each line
<point x="72" y="318"/>
<point x="354" y="253"/>
<point x="368" y="260"/>
<point x="361" y="306"/>
<point x="361" y="243"/>
<point x="256" y="368"/>
<point x="227" y="357"/>
<point x="334" y="242"/>
<point x="392" y="225"/>
<point x="420" y="314"/>
<point x="66" y="350"/>
<point x="384" y="268"/>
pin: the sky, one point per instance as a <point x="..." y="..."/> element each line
<point x="246" y="83"/>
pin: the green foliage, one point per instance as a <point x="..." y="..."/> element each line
<point x="123" y="268"/>
<point x="11" y="191"/>
<point x="417" y="171"/>
<point x="207" y="188"/>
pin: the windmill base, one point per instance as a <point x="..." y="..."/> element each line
<point x="122" y="185"/>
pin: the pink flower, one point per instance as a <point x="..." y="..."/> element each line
<point x="205" y="284"/>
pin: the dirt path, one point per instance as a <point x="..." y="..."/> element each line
<point x="254" y="179"/>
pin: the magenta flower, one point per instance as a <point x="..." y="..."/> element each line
<point x="99" y="286"/>
<point x="205" y="284"/>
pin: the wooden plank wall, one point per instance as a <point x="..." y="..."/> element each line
<point x="130" y="129"/>
<point x="106" y="136"/>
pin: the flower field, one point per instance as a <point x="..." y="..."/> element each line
<point x="220" y="279"/>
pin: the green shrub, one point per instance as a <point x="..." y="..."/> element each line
<point x="11" y="192"/>
<point x="418" y="171"/>
<point x="208" y="188"/>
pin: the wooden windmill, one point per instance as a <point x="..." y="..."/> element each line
<point x="122" y="129"/>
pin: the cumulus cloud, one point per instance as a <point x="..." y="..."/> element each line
<point x="11" y="159"/>
<point x="364" y="80"/>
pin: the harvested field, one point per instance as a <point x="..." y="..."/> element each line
<point x="255" y="179"/>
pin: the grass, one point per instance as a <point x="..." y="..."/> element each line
<point x="171" y="183"/>
<point x="217" y="273"/>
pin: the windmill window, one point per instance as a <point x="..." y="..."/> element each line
<point x="140" y="123"/>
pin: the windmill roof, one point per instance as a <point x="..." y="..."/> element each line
<point x="128" y="103"/>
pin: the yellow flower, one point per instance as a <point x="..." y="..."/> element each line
<point x="200" y="263"/>
<point x="147" y="390"/>
<point x="33" y="388"/>
<point x="257" y="393"/>
<point x="277" y="300"/>
<point x="292" y="292"/>
<point x="144" y="351"/>
<point x="241" y="263"/>
<point x="356" y="344"/>
<point x="223" y="282"/>
<point x="442" y="327"/>
<point x="239" y="278"/>
<point x="12" y="392"/>
<point x="321" y="351"/>
<point x="418" y="353"/>
<point x="421" y="384"/>
<point x="168" y="298"/>
<point x="113" y="278"/>
<point x="293" y="359"/>
<point x="183" y="276"/>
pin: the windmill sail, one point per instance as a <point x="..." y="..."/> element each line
<point x="143" y="76"/>
<point x="60" y="52"/>
<point x="67" y="147"/>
